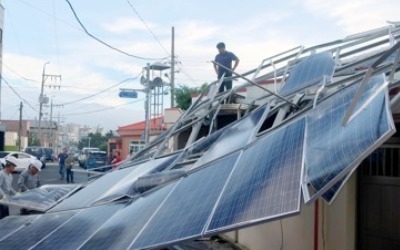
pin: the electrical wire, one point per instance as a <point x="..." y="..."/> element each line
<point x="21" y="76"/>
<point x="99" y="110"/>
<point x="19" y="96"/>
<point x="148" y="28"/>
<point x="97" y="93"/>
<point x="104" y="43"/>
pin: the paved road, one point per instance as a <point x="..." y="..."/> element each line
<point x="49" y="175"/>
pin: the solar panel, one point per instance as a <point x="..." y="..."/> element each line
<point x="265" y="183"/>
<point x="308" y="72"/>
<point x="333" y="150"/>
<point x="185" y="212"/>
<point x="11" y="224"/>
<point x="79" y="228"/>
<point x="37" y="229"/>
<point x="120" y="230"/>
<point x="41" y="199"/>
<point x="235" y="137"/>
<point x="112" y="185"/>
<point x="125" y="186"/>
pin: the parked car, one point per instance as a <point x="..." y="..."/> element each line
<point x="101" y="160"/>
<point x="49" y="154"/>
<point x="84" y="152"/>
<point x="23" y="158"/>
<point x="39" y="152"/>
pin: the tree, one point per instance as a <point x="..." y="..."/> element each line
<point x="183" y="95"/>
<point x="97" y="140"/>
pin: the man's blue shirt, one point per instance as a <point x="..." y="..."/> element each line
<point x="225" y="59"/>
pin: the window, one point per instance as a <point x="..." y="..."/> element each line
<point x="136" y="146"/>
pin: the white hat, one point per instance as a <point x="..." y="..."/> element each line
<point x="12" y="160"/>
<point x="37" y="164"/>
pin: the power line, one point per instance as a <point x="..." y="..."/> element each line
<point x="21" y="76"/>
<point x="16" y="93"/>
<point x="148" y="28"/>
<point x="101" y="41"/>
<point x="99" y="110"/>
<point x="101" y="91"/>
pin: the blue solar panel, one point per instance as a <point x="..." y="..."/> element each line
<point x="125" y="186"/>
<point x="308" y="71"/>
<point x="32" y="232"/>
<point x="235" y="137"/>
<point x="112" y="185"/>
<point x="79" y="228"/>
<point x="265" y="184"/>
<point x="333" y="150"/>
<point x="186" y="211"/>
<point x="11" y="224"/>
<point x="122" y="228"/>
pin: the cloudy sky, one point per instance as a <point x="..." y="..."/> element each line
<point x="40" y="31"/>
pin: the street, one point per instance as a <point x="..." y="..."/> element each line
<point x="48" y="175"/>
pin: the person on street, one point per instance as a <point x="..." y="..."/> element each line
<point x="29" y="178"/>
<point x="61" y="162"/>
<point x="69" y="164"/>
<point x="116" y="160"/>
<point x="6" y="189"/>
<point x="225" y="58"/>
<point x="90" y="163"/>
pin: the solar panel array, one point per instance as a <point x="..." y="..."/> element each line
<point x="333" y="150"/>
<point x="309" y="71"/>
<point x="241" y="180"/>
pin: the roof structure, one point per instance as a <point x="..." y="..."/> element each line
<point x="204" y="176"/>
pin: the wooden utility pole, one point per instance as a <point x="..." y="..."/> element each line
<point x="20" y="126"/>
<point x="172" y="83"/>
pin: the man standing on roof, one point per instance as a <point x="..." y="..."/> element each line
<point x="29" y="178"/>
<point x="6" y="189"/>
<point x="225" y="59"/>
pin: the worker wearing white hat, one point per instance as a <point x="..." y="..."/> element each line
<point x="6" y="189"/>
<point x="29" y="178"/>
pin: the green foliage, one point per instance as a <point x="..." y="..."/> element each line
<point x="11" y="148"/>
<point x="97" y="140"/>
<point x="33" y="141"/>
<point x="183" y="95"/>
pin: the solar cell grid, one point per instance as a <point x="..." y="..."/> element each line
<point x="120" y="230"/>
<point x="185" y="212"/>
<point x="307" y="71"/>
<point x="265" y="184"/>
<point x="334" y="150"/>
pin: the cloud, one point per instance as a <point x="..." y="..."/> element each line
<point x="126" y="25"/>
<point x="355" y="16"/>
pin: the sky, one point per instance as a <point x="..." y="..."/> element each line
<point x="39" y="31"/>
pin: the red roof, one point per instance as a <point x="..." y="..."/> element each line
<point x="155" y="124"/>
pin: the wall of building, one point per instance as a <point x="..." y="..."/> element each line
<point x="336" y="223"/>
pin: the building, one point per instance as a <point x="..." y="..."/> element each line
<point x="16" y="132"/>
<point x="131" y="136"/>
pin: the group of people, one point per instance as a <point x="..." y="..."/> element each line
<point x="65" y="164"/>
<point x="28" y="179"/>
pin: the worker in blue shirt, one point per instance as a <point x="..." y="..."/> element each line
<point x="225" y="58"/>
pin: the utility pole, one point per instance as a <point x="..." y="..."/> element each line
<point x="172" y="83"/>
<point x="42" y="99"/>
<point x="147" y="106"/>
<point x="51" y="125"/>
<point x="20" y="126"/>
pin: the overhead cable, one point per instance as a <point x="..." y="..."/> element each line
<point x="148" y="28"/>
<point x="101" y="41"/>
<point x="17" y="94"/>
<point x="101" y="91"/>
